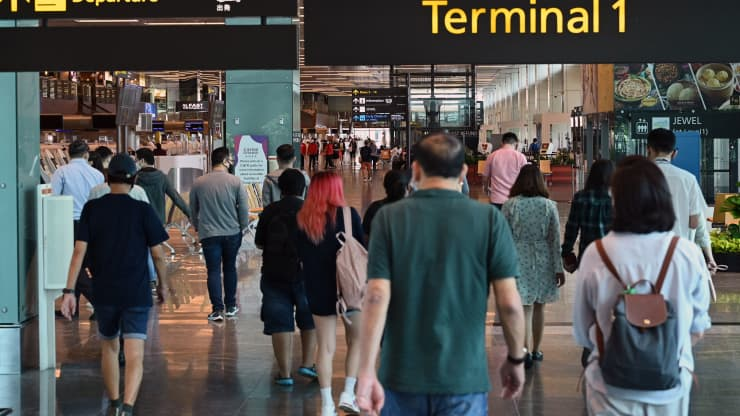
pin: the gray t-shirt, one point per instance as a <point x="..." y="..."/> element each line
<point x="271" y="191"/>
<point x="219" y="205"/>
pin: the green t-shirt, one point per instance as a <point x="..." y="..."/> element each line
<point x="440" y="251"/>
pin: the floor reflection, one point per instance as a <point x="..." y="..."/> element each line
<point x="193" y="367"/>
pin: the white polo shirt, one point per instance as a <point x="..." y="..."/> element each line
<point x="638" y="257"/>
<point x="687" y="197"/>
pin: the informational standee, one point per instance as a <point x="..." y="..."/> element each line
<point x="55" y="244"/>
<point x="251" y="158"/>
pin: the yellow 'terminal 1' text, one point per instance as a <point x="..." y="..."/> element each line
<point x="534" y="20"/>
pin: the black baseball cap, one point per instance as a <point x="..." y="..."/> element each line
<point x="122" y="165"/>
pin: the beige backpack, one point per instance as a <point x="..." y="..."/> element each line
<point x="351" y="270"/>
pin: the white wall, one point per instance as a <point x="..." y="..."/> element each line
<point x="526" y="91"/>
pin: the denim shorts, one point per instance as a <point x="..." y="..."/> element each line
<point x="283" y="306"/>
<point x="114" y="321"/>
<point x="398" y="404"/>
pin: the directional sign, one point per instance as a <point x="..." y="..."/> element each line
<point x="370" y="105"/>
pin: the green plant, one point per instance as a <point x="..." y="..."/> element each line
<point x="727" y="242"/>
<point x="732" y="205"/>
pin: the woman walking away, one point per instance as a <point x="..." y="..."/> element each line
<point x="590" y="213"/>
<point x="319" y="221"/>
<point x="641" y="366"/>
<point x="535" y="224"/>
<point x="396" y="185"/>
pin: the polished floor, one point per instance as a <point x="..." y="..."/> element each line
<point x="193" y="367"/>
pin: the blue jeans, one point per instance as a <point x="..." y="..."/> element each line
<point x="220" y="253"/>
<point x="397" y="404"/>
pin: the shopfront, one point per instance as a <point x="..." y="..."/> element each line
<point x="59" y="54"/>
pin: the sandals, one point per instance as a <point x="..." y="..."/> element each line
<point x="284" y="381"/>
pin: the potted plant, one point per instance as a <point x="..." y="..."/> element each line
<point x="726" y="244"/>
<point x="472" y="160"/>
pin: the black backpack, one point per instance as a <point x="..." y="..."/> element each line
<point x="280" y="261"/>
<point x="642" y="351"/>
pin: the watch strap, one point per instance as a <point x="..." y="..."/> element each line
<point x="67" y="291"/>
<point x="516" y="361"/>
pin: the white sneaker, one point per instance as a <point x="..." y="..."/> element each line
<point x="348" y="404"/>
<point x="328" y="410"/>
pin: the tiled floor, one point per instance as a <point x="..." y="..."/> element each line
<point x="193" y="367"/>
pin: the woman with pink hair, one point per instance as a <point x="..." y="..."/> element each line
<point x="320" y="219"/>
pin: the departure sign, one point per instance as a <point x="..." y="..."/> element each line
<point x="126" y="9"/>
<point x="370" y="105"/>
<point x="423" y="32"/>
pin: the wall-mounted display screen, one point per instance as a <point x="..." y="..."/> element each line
<point x="104" y="121"/>
<point x="157" y="125"/>
<point x="194" y="126"/>
<point x="52" y="122"/>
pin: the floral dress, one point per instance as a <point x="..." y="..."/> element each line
<point x="535" y="225"/>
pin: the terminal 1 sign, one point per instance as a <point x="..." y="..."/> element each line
<point x="126" y="9"/>
<point x="519" y="31"/>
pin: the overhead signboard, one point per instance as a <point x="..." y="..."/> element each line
<point x="114" y="47"/>
<point x="372" y="105"/>
<point x="197" y="106"/>
<point x="520" y="31"/>
<point x="127" y="9"/>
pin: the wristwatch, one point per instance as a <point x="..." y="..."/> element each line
<point x="517" y="361"/>
<point x="67" y="291"/>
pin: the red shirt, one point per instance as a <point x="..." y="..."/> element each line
<point x="313" y="149"/>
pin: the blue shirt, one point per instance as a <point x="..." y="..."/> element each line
<point x="76" y="179"/>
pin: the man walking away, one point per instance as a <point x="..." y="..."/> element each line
<point x="428" y="291"/>
<point x="502" y="169"/>
<point x="534" y="148"/>
<point x="220" y="212"/>
<point x="270" y="189"/>
<point x="77" y="179"/>
<point x="688" y="201"/>
<point x="118" y="260"/>
<point x="313" y="155"/>
<point x="284" y="299"/>
<point x="157" y="185"/>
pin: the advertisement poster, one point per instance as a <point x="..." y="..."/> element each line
<point x="669" y="86"/>
<point x="251" y="158"/>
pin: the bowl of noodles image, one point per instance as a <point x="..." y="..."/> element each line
<point x="632" y="89"/>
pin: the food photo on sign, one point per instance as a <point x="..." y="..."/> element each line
<point x="677" y="86"/>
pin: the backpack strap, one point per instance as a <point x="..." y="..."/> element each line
<point x="347" y="220"/>
<point x="666" y="264"/>
<point x="608" y="262"/>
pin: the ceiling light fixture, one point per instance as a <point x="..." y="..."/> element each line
<point x="106" y="20"/>
<point x="184" y="23"/>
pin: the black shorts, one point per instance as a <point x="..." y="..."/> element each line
<point x="283" y="306"/>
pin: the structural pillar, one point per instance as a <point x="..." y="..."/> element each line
<point x="19" y="175"/>
<point x="264" y="102"/>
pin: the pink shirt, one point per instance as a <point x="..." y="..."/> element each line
<point x="503" y="168"/>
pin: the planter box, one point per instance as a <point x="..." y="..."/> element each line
<point x="731" y="260"/>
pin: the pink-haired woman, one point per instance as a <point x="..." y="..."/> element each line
<point x="320" y="219"/>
